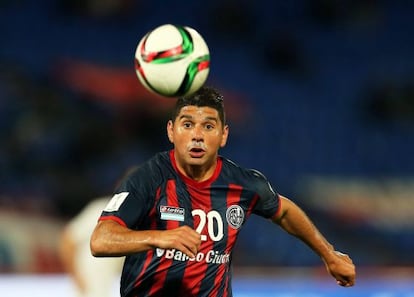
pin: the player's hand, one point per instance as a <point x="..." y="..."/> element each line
<point x="183" y="238"/>
<point x="341" y="267"/>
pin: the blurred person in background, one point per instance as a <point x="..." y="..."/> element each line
<point x="177" y="218"/>
<point x="92" y="277"/>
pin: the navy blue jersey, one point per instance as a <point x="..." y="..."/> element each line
<point x="158" y="197"/>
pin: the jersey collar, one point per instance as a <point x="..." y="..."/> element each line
<point x="192" y="182"/>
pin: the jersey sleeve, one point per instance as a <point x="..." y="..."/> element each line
<point x="131" y="201"/>
<point x="268" y="203"/>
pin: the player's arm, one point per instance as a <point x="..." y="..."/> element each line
<point x="111" y="239"/>
<point x="293" y="220"/>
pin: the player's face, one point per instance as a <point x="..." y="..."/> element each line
<point x="197" y="134"/>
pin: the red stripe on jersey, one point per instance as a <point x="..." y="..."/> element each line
<point x="150" y="253"/>
<point x="279" y="207"/>
<point x="195" y="271"/>
<point x="233" y="198"/>
<point x="162" y="269"/>
<point x="113" y="218"/>
<point x="147" y="262"/>
<point x="153" y="211"/>
<point x="252" y="204"/>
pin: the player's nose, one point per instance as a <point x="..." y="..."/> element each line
<point x="198" y="133"/>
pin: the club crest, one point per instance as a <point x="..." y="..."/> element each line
<point x="235" y="216"/>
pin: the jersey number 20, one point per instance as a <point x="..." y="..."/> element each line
<point x="213" y="221"/>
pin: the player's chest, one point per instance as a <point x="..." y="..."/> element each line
<point x="213" y="212"/>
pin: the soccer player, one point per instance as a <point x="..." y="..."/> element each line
<point x="177" y="218"/>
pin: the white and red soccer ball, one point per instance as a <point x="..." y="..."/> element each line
<point x="172" y="60"/>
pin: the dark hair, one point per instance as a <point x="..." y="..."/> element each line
<point x="205" y="96"/>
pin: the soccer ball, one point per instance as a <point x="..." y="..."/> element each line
<point x="172" y="60"/>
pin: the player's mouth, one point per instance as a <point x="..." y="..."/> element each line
<point x="197" y="152"/>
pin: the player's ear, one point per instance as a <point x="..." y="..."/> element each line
<point x="170" y="131"/>
<point x="224" y="136"/>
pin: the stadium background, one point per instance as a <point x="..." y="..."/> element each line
<point x="320" y="98"/>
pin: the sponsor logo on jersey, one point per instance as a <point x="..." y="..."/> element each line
<point x="212" y="256"/>
<point x="172" y="213"/>
<point x="235" y="216"/>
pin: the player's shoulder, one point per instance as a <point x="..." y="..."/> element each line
<point x="154" y="163"/>
<point x="243" y="172"/>
<point x="155" y="168"/>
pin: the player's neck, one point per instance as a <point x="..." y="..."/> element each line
<point x="199" y="173"/>
<point x="195" y="172"/>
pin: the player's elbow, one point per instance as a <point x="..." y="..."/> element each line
<point x="97" y="244"/>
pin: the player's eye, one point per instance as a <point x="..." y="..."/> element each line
<point x="209" y="126"/>
<point x="187" y="125"/>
